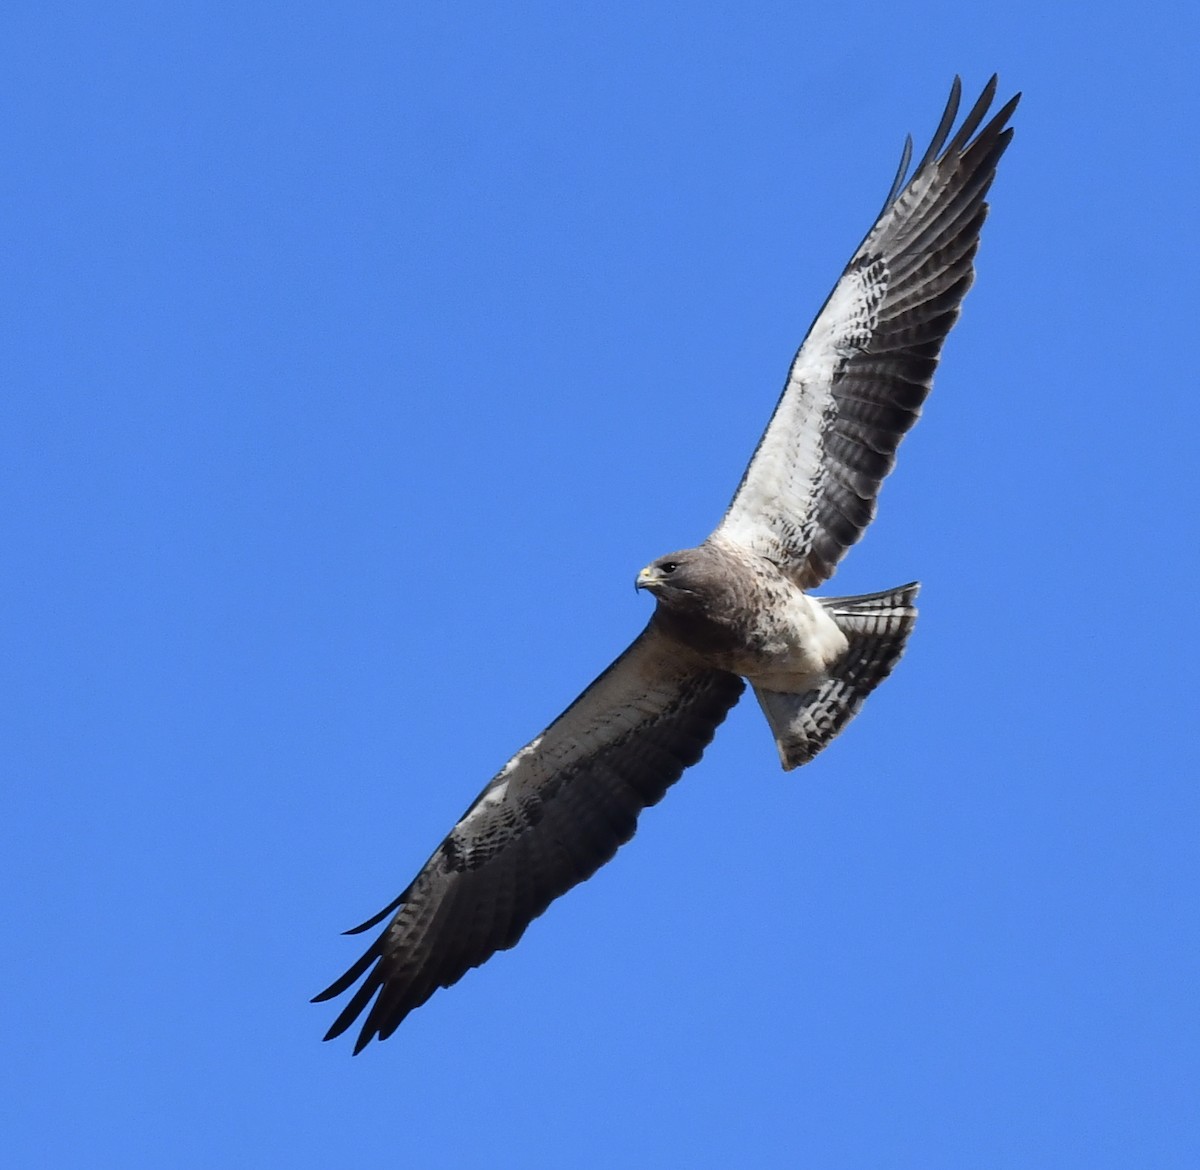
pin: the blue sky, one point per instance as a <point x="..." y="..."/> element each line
<point x="356" y="357"/>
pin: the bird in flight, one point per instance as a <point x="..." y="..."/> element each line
<point x="734" y="608"/>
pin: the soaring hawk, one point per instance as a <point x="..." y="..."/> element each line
<point x="734" y="608"/>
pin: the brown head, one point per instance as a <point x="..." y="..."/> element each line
<point x="695" y="589"/>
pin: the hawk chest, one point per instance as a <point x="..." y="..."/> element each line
<point x="768" y="632"/>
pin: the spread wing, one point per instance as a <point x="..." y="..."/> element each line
<point x="553" y="815"/>
<point x="859" y="380"/>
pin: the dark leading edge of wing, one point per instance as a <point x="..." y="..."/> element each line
<point x="859" y="380"/>
<point x="549" y="819"/>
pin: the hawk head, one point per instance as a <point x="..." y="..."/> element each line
<point x="692" y="580"/>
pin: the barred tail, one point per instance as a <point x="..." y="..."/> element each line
<point x="877" y="626"/>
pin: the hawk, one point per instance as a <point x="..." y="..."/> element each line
<point x="734" y="608"/>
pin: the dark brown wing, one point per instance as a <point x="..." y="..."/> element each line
<point x="553" y="815"/>
<point x="866" y="366"/>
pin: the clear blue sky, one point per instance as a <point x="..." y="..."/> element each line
<point x="355" y="357"/>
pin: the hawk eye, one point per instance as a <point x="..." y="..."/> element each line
<point x="669" y="566"/>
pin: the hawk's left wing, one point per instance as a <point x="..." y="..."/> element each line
<point x="866" y="366"/>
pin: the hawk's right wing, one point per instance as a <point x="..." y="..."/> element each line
<point x="553" y="815"/>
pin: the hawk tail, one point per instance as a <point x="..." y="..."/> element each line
<point x="877" y="625"/>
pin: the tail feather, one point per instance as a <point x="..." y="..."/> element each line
<point x="876" y="625"/>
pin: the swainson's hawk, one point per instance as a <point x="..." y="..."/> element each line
<point x="730" y="609"/>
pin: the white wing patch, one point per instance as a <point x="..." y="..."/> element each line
<point x="495" y="792"/>
<point x="773" y="507"/>
<point x="512" y="764"/>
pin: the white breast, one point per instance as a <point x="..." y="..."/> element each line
<point x="801" y="642"/>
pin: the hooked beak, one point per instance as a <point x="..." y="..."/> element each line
<point x="647" y="578"/>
